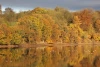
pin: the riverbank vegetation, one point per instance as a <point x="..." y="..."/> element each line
<point x="42" y="25"/>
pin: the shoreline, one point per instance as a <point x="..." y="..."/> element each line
<point x="48" y="45"/>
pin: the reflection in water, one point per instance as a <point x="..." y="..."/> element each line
<point x="69" y="56"/>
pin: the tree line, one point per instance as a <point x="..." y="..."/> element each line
<point x="42" y="25"/>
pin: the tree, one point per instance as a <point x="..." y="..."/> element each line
<point x="76" y="20"/>
<point x="86" y="16"/>
<point x="37" y="26"/>
<point x="97" y="25"/>
<point x="47" y="28"/>
<point x="9" y="15"/>
<point x="74" y="30"/>
<point x="16" y="36"/>
<point x="56" y="33"/>
<point x="64" y="13"/>
<point x="6" y="34"/>
<point x="39" y="10"/>
<point x="27" y="25"/>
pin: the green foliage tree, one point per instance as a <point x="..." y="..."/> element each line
<point x="10" y="15"/>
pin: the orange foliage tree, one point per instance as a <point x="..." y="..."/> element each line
<point x="86" y="16"/>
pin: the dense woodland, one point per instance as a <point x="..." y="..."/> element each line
<point x="42" y="25"/>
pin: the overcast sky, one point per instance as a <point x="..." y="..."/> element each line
<point x="18" y="5"/>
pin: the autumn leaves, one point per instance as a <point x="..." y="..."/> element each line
<point x="49" y="26"/>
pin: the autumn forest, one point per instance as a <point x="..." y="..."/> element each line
<point x="62" y="38"/>
<point x="42" y="25"/>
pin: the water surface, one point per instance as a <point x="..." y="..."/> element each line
<point x="65" y="56"/>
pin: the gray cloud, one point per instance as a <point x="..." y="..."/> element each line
<point x="70" y="4"/>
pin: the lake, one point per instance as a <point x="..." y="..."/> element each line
<point x="48" y="56"/>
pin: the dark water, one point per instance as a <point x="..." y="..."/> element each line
<point x="69" y="56"/>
